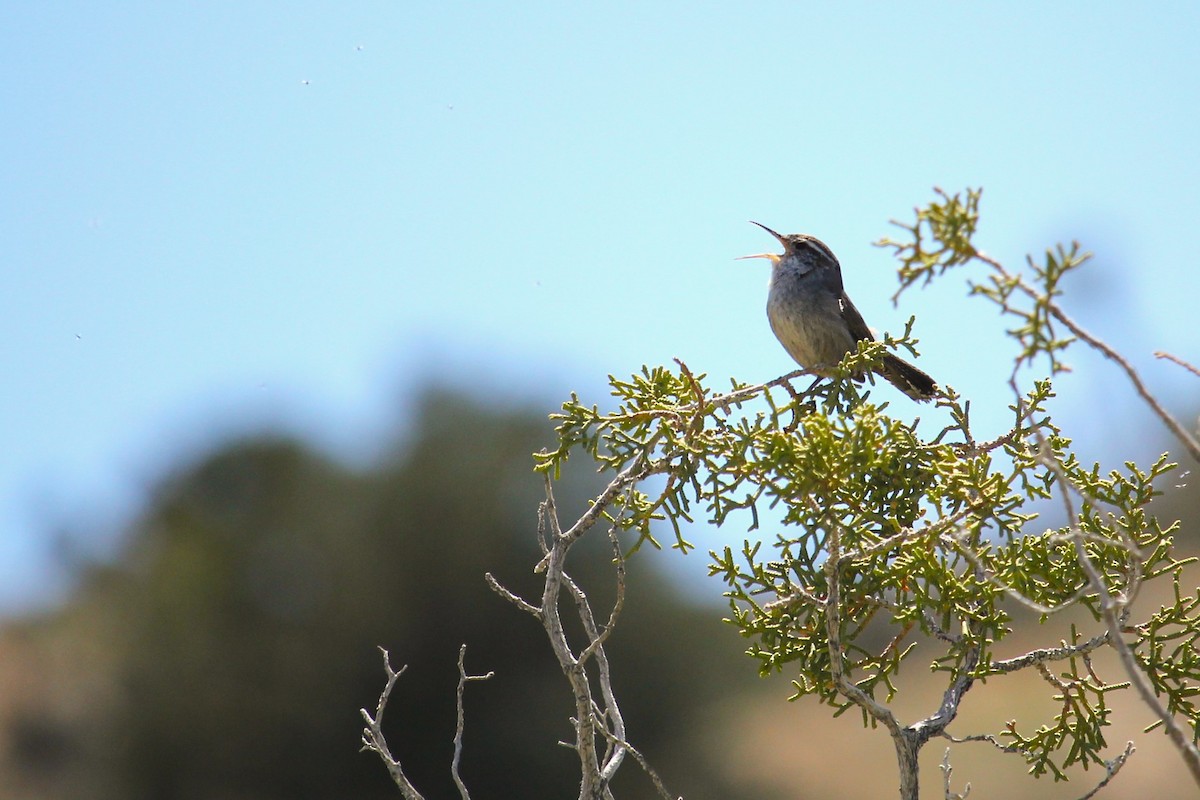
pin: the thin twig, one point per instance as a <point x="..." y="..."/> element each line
<point x="591" y="786"/>
<point x="520" y="603"/>
<point x="1111" y="768"/>
<point x="636" y="471"/>
<point x="645" y="765"/>
<point x="724" y="401"/>
<point x="1189" y="441"/>
<point x="982" y="737"/>
<point x="1051" y="654"/>
<point x="595" y="649"/>
<point x="947" y="771"/>
<point x="1189" y="367"/>
<point x="463" y="677"/>
<point x="372" y="735"/>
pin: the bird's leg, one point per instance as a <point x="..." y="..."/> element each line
<point x="798" y="405"/>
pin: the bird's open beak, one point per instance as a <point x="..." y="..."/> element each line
<point x="772" y="256"/>
<point x="768" y="230"/>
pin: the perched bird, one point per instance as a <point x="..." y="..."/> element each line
<point x="813" y="318"/>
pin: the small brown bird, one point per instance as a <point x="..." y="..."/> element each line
<point x="813" y="318"/>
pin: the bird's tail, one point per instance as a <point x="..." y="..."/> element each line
<point x="907" y="378"/>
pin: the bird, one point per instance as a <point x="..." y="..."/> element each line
<point x="815" y="321"/>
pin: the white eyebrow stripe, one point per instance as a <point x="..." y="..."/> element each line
<point x="820" y="247"/>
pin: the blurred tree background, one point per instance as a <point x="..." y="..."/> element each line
<point x="226" y="653"/>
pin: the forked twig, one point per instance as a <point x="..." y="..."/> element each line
<point x="463" y="677"/>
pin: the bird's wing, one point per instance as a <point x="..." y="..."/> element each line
<point x="854" y="321"/>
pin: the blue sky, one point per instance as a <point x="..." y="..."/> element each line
<point x="222" y="217"/>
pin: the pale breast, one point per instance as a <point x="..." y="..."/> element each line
<point x="807" y="323"/>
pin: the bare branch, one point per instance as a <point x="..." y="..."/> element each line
<point x="597" y="636"/>
<point x="724" y="401"/>
<point x="947" y="770"/>
<point x="463" y="677"/>
<point x="1111" y="768"/>
<point x="372" y="736"/>
<point x="517" y="601"/>
<point x="1189" y="367"/>
<point x="592" y="786"/>
<point x="596" y="647"/>
<point x="982" y="737"/>
<point x="645" y="765"/>
<point x="1059" y="685"/>
<point x="638" y="470"/>
<point x="1051" y="654"/>
<point x="1189" y="441"/>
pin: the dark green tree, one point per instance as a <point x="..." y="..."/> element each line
<point x="235" y="638"/>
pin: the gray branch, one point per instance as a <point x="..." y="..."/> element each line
<point x="372" y="736"/>
<point x="463" y="677"/>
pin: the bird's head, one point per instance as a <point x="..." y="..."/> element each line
<point x="805" y="249"/>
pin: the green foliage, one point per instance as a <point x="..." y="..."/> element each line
<point x="1078" y="728"/>
<point x="874" y="537"/>
<point x="940" y="238"/>
<point x="1166" y="648"/>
